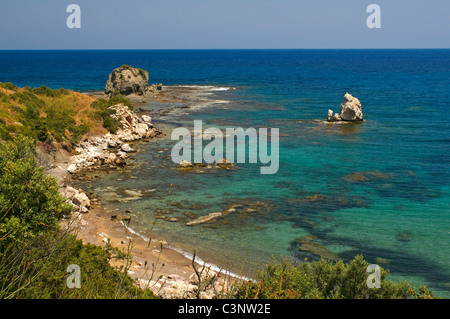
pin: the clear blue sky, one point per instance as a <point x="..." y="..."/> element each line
<point x="224" y="24"/>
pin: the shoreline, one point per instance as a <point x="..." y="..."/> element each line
<point x="156" y="264"/>
<point x="189" y="256"/>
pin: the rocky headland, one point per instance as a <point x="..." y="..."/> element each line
<point x="113" y="149"/>
<point x="127" y="80"/>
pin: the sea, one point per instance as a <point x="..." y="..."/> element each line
<point x="380" y="188"/>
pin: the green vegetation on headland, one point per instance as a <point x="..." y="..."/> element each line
<point x="103" y="112"/>
<point x="48" y="115"/>
<point x="35" y="250"/>
<point x="142" y="72"/>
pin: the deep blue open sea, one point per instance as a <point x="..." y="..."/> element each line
<point x="380" y="188"/>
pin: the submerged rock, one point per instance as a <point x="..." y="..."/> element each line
<point x="368" y="176"/>
<point x="404" y="236"/>
<point x="379" y="260"/>
<point x="306" y="244"/>
<point x="357" y="177"/>
<point x="204" y="219"/>
<point x="242" y="211"/>
<point x="319" y="250"/>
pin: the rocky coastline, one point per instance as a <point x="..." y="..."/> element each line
<point x="92" y="223"/>
<point x="350" y="111"/>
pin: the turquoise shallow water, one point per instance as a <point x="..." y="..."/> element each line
<point x="380" y="188"/>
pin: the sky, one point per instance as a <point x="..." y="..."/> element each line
<point x="224" y="24"/>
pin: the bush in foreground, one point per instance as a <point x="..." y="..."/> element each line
<point x="30" y="203"/>
<point x="325" y="279"/>
<point x="34" y="251"/>
<point x="37" y="269"/>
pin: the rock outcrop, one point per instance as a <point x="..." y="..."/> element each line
<point x="350" y="110"/>
<point x="127" y="80"/>
<point x="78" y="199"/>
<point x="113" y="149"/>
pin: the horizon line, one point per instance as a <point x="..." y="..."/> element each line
<point x="227" y="49"/>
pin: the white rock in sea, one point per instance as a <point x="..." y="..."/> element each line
<point x="141" y="130"/>
<point x="185" y="164"/>
<point x="146" y="118"/>
<point x="351" y="109"/>
<point x="127" y="148"/>
<point x="330" y="115"/>
<point x="337" y="117"/>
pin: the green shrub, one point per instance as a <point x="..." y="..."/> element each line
<point x="141" y="71"/>
<point x="8" y="86"/>
<point x="4" y="97"/>
<point x="40" y="270"/>
<point x="55" y="122"/>
<point x="26" y="96"/>
<point x="117" y="99"/>
<point x="112" y="125"/>
<point x="4" y="133"/>
<point x="14" y="128"/>
<point x="34" y="251"/>
<point x="103" y="112"/>
<point x="32" y="111"/>
<point x="46" y="91"/>
<point x="324" y="279"/>
<point x="30" y="202"/>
